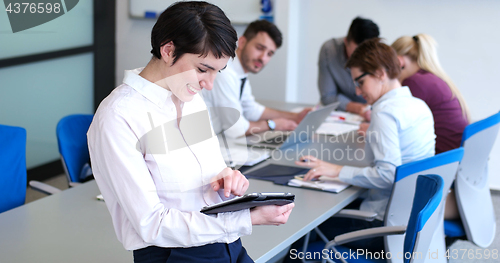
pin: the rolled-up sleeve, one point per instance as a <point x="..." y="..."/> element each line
<point x="383" y="139"/>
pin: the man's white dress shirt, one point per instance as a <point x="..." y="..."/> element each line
<point x="226" y="93"/>
<point x="154" y="188"/>
<point x="401" y="131"/>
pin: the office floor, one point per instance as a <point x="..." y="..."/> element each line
<point x="460" y="246"/>
<point x="59" y="181"/>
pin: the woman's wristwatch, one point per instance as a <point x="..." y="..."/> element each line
<point x="271" y="124"/>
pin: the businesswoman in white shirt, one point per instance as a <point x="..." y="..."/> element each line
<point x="401" y="131"/>
<point x="154" y="154"/>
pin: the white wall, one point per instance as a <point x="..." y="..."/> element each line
<point x="465" y="30"/>
<point x="133" y="41"/>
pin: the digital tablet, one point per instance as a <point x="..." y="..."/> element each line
<point x="249" y="201"/>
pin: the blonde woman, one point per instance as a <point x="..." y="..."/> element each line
<point x="422" y="73"/>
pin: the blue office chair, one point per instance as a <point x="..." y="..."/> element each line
<point x="398" y="209"/>
<point x="71" y="134"/>
<point x="72" y="140"/>
<point x="399" y="206"/>
<point x="477" y="222"/>
<point x="424" y="221"/>
<point x="13" y="167"/>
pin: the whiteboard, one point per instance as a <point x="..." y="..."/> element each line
<point x="238" y="11"/>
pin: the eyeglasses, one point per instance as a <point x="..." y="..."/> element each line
<point x="356" y="80"/>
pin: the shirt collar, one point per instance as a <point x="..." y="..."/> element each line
<point x="395" y="93"/>
<point x="341" y="52"/>
<point x="238" y="68"/>
<point x="149" y="90"/>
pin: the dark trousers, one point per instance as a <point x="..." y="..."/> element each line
<point x="218" y="252"/>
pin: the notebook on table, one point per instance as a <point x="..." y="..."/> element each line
<point x="323" y="183"/>
<point x="278" y="174"/>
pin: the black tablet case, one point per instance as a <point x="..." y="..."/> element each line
<point x="248" y="202"/>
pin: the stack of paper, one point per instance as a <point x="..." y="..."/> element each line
<point x="346" y="117"/>
<point x="340" y="122"/>
<point x="336" y="128"/>
<point x="324" y="183"/>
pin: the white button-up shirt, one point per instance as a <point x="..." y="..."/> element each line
<point x="155" y="174"/>
<point x="226" y="93"/>
<point x="401" y="131"/>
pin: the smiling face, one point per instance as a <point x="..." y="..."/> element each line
<point x="256" y="53"/>
<point x="370" y="86"/>
<point x="190" y="74"/>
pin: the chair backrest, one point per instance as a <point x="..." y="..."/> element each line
<point x="471" y="187"/>
<point x="424" y="218"/>
<point x="12" y="166"/>
<point x="72" y="140"/>
<point x="400" y="202"/>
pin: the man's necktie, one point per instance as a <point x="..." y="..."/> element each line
<point x="243" y="80"/>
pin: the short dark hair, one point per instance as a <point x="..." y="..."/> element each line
<point x="194" y="27"/>
<point x="372" y="55"/>
<point x="264" y="26"/>
<point x="362" y="29"/>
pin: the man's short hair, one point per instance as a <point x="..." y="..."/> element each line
<point x="362" y="29"/>
<point x="194" y="27"/>
<point x="264" y="26"/>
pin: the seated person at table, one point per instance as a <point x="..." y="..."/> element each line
<point x="401" y="131"/>
<point x="156" y="182"/>
<point x="232" y="88"/>
<point x="422" y="73"/>
<point x="334" y="79"/>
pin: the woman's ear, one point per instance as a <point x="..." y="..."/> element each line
<point x="167" y="52"/>
<point x="401" y="62"/>
<point x="380" y="74"/>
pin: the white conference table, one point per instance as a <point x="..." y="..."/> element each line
<point x="73" y="226"/>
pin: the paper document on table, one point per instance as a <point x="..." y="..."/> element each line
<point x="324" y="183"/>
<point x="346" y="117"/>
<point x="244" y="156"/>
<point x="336" y="128"/>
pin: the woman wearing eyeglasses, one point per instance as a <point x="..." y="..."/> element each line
<point x="401" y="131"/>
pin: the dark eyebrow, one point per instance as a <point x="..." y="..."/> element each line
<point x="260" y="45"/>
<point x="210" y="67"/>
